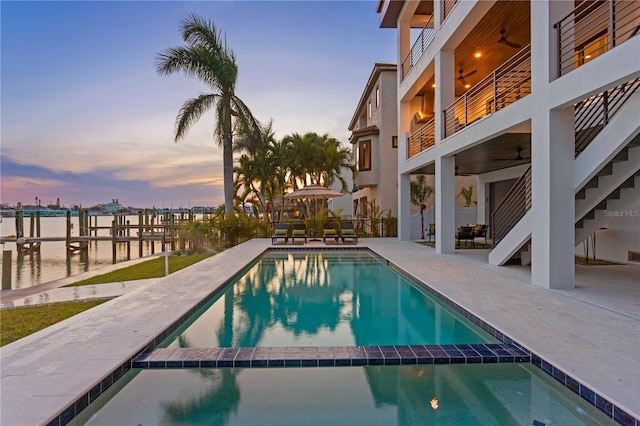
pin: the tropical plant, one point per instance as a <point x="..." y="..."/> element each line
<point x="207" y="57"/>
<point x="467" y="193"/>
<point x="420" y="193"/>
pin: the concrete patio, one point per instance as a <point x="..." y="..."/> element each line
<point x="591" y="332"/>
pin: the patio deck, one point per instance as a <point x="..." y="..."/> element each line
<point x="592" y="332"/>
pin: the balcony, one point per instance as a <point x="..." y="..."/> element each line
<point x="508" y="83"/>
<point x="593" y="28"/>
<point x="419" y="46"/>
<point x="422" y="139"/>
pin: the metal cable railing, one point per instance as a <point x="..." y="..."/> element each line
<point x="422" y="139"/>
<point x="447" y="7"/>
<point x="593" y="28"/>
<point x="513" y="208"/>
<point x="594" y="113"/>
<point x="419" y="46"/>
<point x="591" y="116"/>
<point x="508" y="83"/>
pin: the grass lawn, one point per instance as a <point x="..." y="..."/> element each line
<point x="153" y="268"/>
<point x="16" y="323"/>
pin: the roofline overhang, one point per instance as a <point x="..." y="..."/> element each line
<point x="378" y="68"/>
<point x="389" y="11"/>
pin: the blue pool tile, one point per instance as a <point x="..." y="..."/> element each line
<point x="94" y="393"/>
<point x="191" y="364"/>
<point x="54" y="422"/>
<point x="276" y="363"/>
<point x="587" y="394"/>
<point x="259" y="363"/>
<point x="309" y="362"/>
<point x="547" y="368"/>
<point x="604" y="405"/>
<point x="572" y="384"/>
<point x="208" y="363"/>
<point x="623" y="417"/>
<point x="342" y="362"/>
<point x="326" y="363"/>
<point x="67" y="415"/>
<point x="292" y="363"/>
<point x="559" y="376"/>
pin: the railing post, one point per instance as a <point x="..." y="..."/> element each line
<point x="612" y="29"/>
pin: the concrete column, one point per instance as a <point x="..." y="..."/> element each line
<point x="445" y="88"/>
<point x="445" y="205"/>
<point x="404" y="206"/>
<point x="553" y="199"/>
<point x="482" y="199"/>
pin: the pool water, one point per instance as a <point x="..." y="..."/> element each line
<point x="329" y="298"/>
<point x="460" y="394"/>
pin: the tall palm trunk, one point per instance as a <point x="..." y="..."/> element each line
<point x="227" y="159"/>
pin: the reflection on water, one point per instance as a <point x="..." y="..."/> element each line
<point x="474" y="394"/>
<point x="54" y="262"/>
<point x="324" y="299"/>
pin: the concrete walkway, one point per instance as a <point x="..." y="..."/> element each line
<point x="591" y="333"/>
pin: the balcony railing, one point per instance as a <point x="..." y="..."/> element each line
<point x="594" y="113"/>
<point x="419" y="46"/>
<point x="593" y="28"/>
<point x="447" y="7"/>
<point x="422" y="139"/>
<point x="508" y="83"/>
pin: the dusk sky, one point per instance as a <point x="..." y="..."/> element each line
<point x="86" y="119"/>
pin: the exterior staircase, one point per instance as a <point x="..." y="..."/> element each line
<point x="607" y="174"/>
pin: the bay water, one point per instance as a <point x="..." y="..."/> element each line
<point x="53" y="262"/>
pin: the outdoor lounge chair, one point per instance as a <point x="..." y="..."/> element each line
<point x="465" y="233"/>
<point x="348" y="232"/>
<point x="480" y="231"/>
<point x="281" y="231"/>
<point x="299" y="231"/>
<point x="329" y="231"/>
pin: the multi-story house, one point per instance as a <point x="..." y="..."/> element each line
<point x="539" y="101"/>
<point x="374" y="137"/>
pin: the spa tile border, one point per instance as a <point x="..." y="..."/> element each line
<point x="329" y="356"/>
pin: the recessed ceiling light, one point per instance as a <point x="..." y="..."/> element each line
<point x="478" y="54"/>
<point x="466" y="86"/>
<point x="588" y="57"/>
<point x="433" y="85"/>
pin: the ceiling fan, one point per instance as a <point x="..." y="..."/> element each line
<point x="504" y="40"/>
<point x="518" y="157"/>
<point x="461" y="77"/>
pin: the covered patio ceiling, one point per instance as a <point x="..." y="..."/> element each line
<point x="498" y="153"/>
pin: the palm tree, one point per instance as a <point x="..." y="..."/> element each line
<point x="207" y="57"/>
<point x="420" y="193"/>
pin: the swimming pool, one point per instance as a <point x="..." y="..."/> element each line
<point x="326" y="298"/>
<point x="479" y="394"/>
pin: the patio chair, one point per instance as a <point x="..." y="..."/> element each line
<point x="299" y="231"/>
<point x="329" y="231"/>
<point x="431" y="232"/>
<point x="280" y="231"/>
<point x="465" y="233"/>
<point x="348" y="232"/>
<point x="480" y="231"/>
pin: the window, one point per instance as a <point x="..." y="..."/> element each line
<point x="394" y="141"/>
<point x="364" y="155"/>
<point x="369" y="109"/>
<point x="377" y="96"/>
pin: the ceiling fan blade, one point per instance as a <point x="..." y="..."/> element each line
<point x="512" y="44"/>
<point x="470" y="74"/>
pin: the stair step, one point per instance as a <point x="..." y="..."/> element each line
<point x="621" y="156"/>
<point x="591" y="214"/>
<point x="581" y="195"/>
<point x="580" y="224"/>
<point x="606" y="170"/>
<point x="615" y="195"/>
<point x="593" y="183"/>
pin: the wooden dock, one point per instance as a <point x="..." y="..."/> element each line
<point x="151" y="227"/>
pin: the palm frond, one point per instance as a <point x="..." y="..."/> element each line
<point x="191" y="112"/>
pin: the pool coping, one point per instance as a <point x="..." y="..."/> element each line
<point x="616" y="413"/>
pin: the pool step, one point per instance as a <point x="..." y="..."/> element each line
<point x="330" y="356"/>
